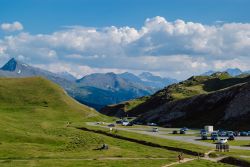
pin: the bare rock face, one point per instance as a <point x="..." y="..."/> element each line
<point x="228" y="108"/>
<point x="240" y="105"/>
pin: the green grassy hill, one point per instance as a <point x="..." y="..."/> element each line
<point x="39" y="96"/>
<point x="34" y="113"/>
<point x="34" y="130"/>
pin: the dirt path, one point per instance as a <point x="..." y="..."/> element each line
<point x="176" y="163"/>
<point x="206" y="157"/>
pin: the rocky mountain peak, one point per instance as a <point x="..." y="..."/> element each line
<point x="14" y="65"/>
<point x="10" y="65"/>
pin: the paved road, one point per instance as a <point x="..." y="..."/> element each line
<point x="188" y="139"/>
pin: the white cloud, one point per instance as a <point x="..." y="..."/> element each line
<point x="15" y="26"/>
<point x="178" y="49"/>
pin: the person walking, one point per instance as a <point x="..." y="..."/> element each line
<point x="179" y="158"/>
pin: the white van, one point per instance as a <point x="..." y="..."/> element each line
<point x="222" y="140"/>
<point x="155" y="130"/>
<point x="125" y="123"/>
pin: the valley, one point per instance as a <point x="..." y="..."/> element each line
<point x="42" y="125"/>
<point x="124" y="83"/>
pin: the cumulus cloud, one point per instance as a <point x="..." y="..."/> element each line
<point x="177" y="49"/>
<point x="15" y="26"/>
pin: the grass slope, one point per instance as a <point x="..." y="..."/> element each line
<point x="34" y="116"/>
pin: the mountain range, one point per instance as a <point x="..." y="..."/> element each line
<point x="232" y="71"/>
<point x="96" y="90"/>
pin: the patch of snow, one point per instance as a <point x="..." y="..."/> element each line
<point x="19" y="71"/>
<point x="145" y="80"/>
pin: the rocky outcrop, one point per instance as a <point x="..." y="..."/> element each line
<point x="228" y="108"/>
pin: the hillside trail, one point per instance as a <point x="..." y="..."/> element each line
<point x="206" y="157"/>
<point x="181" y="162"/>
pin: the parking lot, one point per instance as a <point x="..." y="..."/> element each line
<point x="191" y="136"/>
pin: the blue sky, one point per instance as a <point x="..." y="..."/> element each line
<point x="177" y="38"/>
<point x="43" y="16"/>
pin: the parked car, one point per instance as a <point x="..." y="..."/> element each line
<point x="214" y="136"/>
<point x="137" y="123"/>
<point x="203" y="131"/>
<point x="231" y="137"/>
<point x="222" y="134"/>
<point x="185" y="129"/>
<point x="111" y="125"/>
<point x="222" y="140"/>
<point x="125" y="123"/>
<point x="243" y="133"/>
<point x="175" y="132"/>
<point x="248" y="133"/>
<point x="214" y="133"/>
<point x="182" y="132"/>
<point x="236" y="133"/>
<point x="155" y="130"/>
<point x="229" y="133"/>
<point x="151" y="124"/>
<point x="118" y="122"/>
<point x="204" y="135"/>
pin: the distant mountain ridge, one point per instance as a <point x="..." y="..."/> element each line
<point x="96" y="90"/>
<point x="15" y="68"/>
<point x="67" y="76"/>
<point x="232" y="71"/>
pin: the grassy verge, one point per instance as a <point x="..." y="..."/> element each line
<point x="81" y="163"/>
<point x="243" y="143"/>
<point x="202" y="163"/>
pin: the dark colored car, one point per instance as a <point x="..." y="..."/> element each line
<point x="119" y="122"/>
<point x="243" y="133"/>
<point x="214" y="137"/>
<point x="236" y="133"/>
<point x="185" y="129"/>
<point x="182" y="132"/>
<point x="203" y="131"/>
<point x="111" y="125"/>
<point x="231" y="137"/>
<point x="203" y="137"/>
<point x="222" y="133"/>
<point x="175" y="132"/>
<point x="230" y="133"/>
